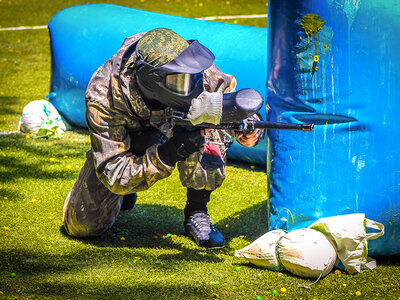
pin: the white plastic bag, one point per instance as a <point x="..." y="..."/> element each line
<point x="41" y="118"/>
<point x="348" y="234"/>
<point x="262" y="252"/>
<point x="312" y="252"/>
<point x="306" y="252"/>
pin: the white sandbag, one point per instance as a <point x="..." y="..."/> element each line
<point x="42" y="118"/>
<point x="262" y="252"/>
<point x="306" y="252"/>
<point x="348" y="234"/>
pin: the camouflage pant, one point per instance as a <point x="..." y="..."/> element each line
<point x="90" y="208"/>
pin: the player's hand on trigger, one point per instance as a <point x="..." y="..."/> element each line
<point x="249" y="140"/>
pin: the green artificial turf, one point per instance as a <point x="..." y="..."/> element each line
<point x="145" y="254"/>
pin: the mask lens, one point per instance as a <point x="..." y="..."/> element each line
<point x="182" y="83"/>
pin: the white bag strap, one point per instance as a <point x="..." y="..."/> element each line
<point x="374" y="225"/>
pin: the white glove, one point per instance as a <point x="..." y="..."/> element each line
<point x="207" y="108"/>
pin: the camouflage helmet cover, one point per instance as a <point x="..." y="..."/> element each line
<point x="161" y="45"/>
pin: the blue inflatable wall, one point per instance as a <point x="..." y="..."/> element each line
<point x="83" y="37"/>
<point x="335" y="64"/>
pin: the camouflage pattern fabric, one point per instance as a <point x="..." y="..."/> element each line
<point x="159" y="46"/>
<point x="116" y="117"/>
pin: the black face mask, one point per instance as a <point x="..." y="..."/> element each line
<point x="176" y="83"/>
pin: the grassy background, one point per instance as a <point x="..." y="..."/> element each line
<point x="36" y="175"/>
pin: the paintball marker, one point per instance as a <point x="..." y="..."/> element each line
<point x="236" y="109"/>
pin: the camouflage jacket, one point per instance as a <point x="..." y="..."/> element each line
<point x="115" y="108"/>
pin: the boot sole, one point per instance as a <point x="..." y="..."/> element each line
<point x="203" y="246"/>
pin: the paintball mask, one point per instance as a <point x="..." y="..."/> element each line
<point x="177" y="82"/>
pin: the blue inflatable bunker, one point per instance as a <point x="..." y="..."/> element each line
<point x="84" y="37"/>
<point x="335" y="64"/>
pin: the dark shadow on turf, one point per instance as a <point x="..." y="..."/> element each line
<point x="43" y="147"/>
<point x="392" y="260"/>
<point x="6" y="102"/>
<point x="28" y="265"/>
<point x="147" y="226"/>
<point x="80" y="130"/>
<point x="139" y="227"/>
<point x="10" y="194"/>
<point x="18" y="166"/>
<point x="250" y="223"/>
<point x="116" y="290"/>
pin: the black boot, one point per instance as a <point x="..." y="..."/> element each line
<point x="198" y="224"/>
<point x="129" y="201"/>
